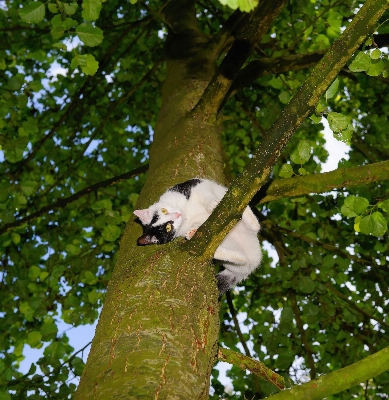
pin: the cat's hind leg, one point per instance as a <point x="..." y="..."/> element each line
<point x="225" y="281"/>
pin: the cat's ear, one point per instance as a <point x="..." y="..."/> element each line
<point x="144" y="215"/>
<point x="146" y="239"/>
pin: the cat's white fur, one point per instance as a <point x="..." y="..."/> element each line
<point x="239" y="253"/>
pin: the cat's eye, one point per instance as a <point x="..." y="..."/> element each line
<point x="164" y="211"/>
<point x="168" y="227"/>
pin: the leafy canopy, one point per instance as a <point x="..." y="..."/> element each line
<point x="79" y="97"/>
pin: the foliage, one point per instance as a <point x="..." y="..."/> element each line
<point x="79" y="97"/>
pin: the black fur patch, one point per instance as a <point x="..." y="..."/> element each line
<point x="154" y="219"/>
<point x="185" y="188"/>
<point x="224" y="283"/>
<point x="159" y="232"/>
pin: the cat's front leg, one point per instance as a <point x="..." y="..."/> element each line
<point x="195" y="222"/>
<point x="190" y="233"/>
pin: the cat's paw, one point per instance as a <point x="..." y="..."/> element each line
<point x="211" y="205"/>
<point x="190" y="233"/>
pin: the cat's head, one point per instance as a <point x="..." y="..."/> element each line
<point x="160" y="224"/>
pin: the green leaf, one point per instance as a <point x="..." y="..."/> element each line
<point x="89" y="278"/>
<point x="78" y="366"/>
<point x="87" y="62"/>
<point x="52" y="8"/>
<point x="34" y="339"/>
<point x="54" y="352"/>
<point x="72" y="249"/>
<point x="30" y="125"/>
<point x="244" y="5"/>
<point x="306" y="284"/>
<point x="286" y="171"/>
<point x="16" y="82"/>
<point x="104" y="204"/>
<point x="93" y="296"/>
<point x="57" y="32"/>
<point x="384" y="205"/>
<point x="33" y="12"/>
<point x="60" y="46"/>
<point x="4" y="395"/>
<point x="360" y="63"/>
<point x="348" y="207"/>
<point x="375" y="54"/>
<point x="91" y="9"/>
<point x="69" y="23"/>
<point x="49" y="331"/>
<point x="56" y="20"/>
<point x="43" y="275"/>
<point x="27" y="311"/>
<point x="357" y="222"/>
<point x="332" y="90"/>
<point x="111" y="233"/>
<point x="89" y="35"/>
<point x="335" y="19"/>
<point x="276" y="83"/>
<point x="284" y="97"/>
<point x="374" y="224"/>
<point x="316" y="118"/>
<point x="15" y="238"/>
<point x="345" y="136"/>
<point x="360" y="205"/>
<point x="302" y="154"/>
<point x="376" y="67"/>
<point x="70" y="8"/>
<point x="337" y="121"/>
<point x="34" y="272"/>
<point x="302" y="171"/>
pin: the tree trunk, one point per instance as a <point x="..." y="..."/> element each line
<point x="157" y="334"/>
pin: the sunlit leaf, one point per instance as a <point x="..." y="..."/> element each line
<point x="332" y="90"/>
<point x="244" y="5"/>
<point x="33" y="12"/>
<point x="302" y="153"/>
<point x="89" y="35"/>
<point x="360" y="63"/>
<point x="70" y="8"/>
<point x="286" y="171"/>
<point x="91" y="9"/>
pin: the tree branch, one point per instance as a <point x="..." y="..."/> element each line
<point x="273" y="227"/>
<point x="245" y="38"/>
<point x="256" y="367"/>
<point x="351" y="304"/>
<point x="236" y="323"/>
<point x="337" y="381"/>
<point x="300" y="326"/>
<point x="277" y="65"/>
<point x="65" y="201"/>
<point x="327" y="181"/>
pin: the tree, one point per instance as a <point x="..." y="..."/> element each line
<point x="194" y="89"/>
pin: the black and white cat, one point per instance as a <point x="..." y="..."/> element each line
<point x="186" y="206"/>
